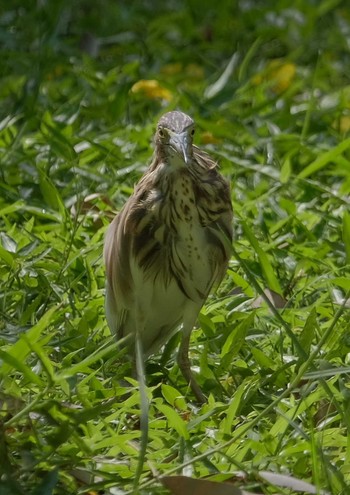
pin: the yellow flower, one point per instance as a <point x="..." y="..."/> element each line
<point x="208" y="138"/>
<point x="194" y="71"/>
<point x="342" y="124"/>
<point x="172" y="69"/>
<point x="150" y="88"/>
<point x="190" y="71"/>
<point x="279" y="74"/>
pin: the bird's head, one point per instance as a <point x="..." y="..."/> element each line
<point x="175" y="136"/>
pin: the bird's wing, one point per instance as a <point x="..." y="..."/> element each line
<point x="119" y="288"/>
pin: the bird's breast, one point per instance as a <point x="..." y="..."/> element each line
<point x="171" y="241"/>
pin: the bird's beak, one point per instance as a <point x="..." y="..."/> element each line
<point x="181" y="145"/>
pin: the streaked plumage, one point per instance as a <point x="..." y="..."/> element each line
<point x="169" y="244"/>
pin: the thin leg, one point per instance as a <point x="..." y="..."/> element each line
<point x="184" y="362"/>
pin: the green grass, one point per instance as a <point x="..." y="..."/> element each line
<point x="268" y="85"/>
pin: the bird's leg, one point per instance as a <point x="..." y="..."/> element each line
<point x="184" y="362"/>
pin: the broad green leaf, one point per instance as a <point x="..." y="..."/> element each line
<point x="343" y="282"/>
<point x="309" y="331"/>
<point x="220" y="83"/>
<point x="324" y="159"/>
<point x="50" y="193"/>
<point x="18" y="205"/>
<point x="286" y="170"/>
<point x="265" y="264"/>
<point x="7" y="257"/>
<point x="234" y="406"/>
<point x="174" y="419"/>
<point x="263" y="359"/>
<point x="346" y="235"/>
<point x="11" y="362"/>
<point x="236" y="338"/>
<point x="241" y="282"/>
<point x="248" y="58"/>
<point x="173" y="397"/>
<point x="39" y="351"/>
<point x="206" y="323"/>
<point x="84" y="365"/>
<point x="56" y="138"/>
<point x="21" y="349"/>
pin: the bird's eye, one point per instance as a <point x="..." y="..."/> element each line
<point x="192" y="132"/>
<point x="161" y="133"/>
